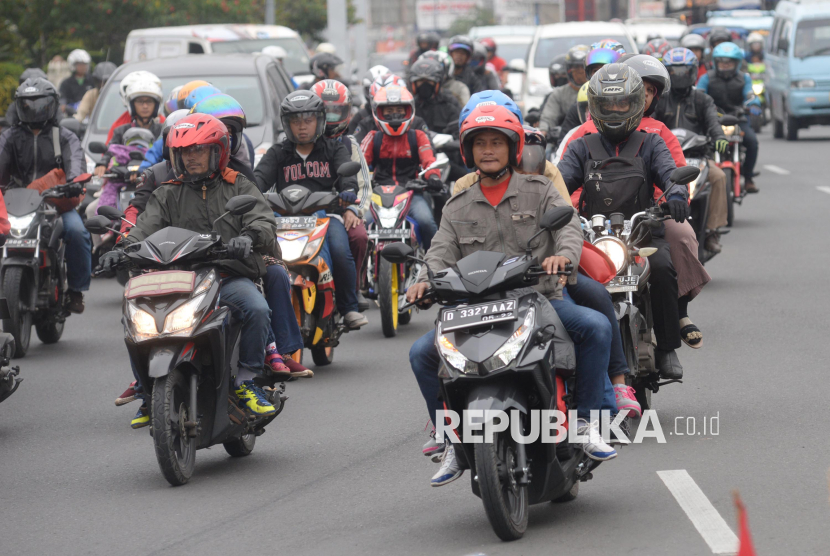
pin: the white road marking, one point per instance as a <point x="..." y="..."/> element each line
<point x="777" y="170"/>
<point x="701" y="512"/>
<point x="823" y="188"/>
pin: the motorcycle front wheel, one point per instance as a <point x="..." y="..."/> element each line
<point x="49" y="332"/>
<point x="730" y="197"/>
<point x="240" y="447"/>
<point x="17" y="290"/>
<point x="505" y="501"/>
<point x="388" y="297"/>
<point x="175" y="449"/>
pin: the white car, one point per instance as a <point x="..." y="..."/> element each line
<point x="647" y="28"/>
<point x="512" y="43"/>
<point x="552" y="40"/>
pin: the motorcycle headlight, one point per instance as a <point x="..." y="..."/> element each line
<point x="311" y="247"/>
<point x="693" y="184"/>
<point x="511" y="348"/>
<point x="292" y="249"/>
<point x="757" y="88"/>
<point x="728" y="130"/>
<point x="616" y="251"/>
<point x="455" y="358"/>
<point x="183" y="318"/>
<point x="20" y="224"/>
<point x="389" y="216"/>
<point x="143" y="322"/>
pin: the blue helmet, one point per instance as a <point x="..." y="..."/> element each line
<point x="729" y="51"/>
<point x="682" y="65"/>
<point x="490" y="98"/>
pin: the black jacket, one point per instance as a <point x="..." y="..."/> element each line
<point x="695" y="111"/>
<point x="118" y="138"/>
<point x="24" y="157"/>
<point x="440" y="113"/>
<point x="362" y="114"/>
<point x="368" y="124"/>
<point x="571" y="121"/>
<point x="281" y="166"/>
<point x="71" y="91"/>
<point x="470" y="79"/>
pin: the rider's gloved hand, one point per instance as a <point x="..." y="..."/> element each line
<point x="435" y="184"/>
<point x="721" y="145"/>
<point x="110" y="259"/>
<point x="348" y="197"/>
<point x="679" y="209"/>
<point x="74" y="189"/>
<point x="240" y="247"/>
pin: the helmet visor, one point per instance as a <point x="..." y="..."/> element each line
<point x="533" y="159"/>
<point x="337" y="113"/>
<point x="616" y="108"/>
<point x="195" y="162"/>
<point x="682" y="77"/>
<point x="726" y="65"/>
<point x="34" y="110"/>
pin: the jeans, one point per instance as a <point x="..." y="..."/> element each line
<point x="284" y="327"/>
<point x="751" y="144"/>
<point x="419" y="210"/>
<point x="247" y="305"/>
<point x="591" y="333"/>
<point x="78" y="251"/>
<point x="338" y="255"/>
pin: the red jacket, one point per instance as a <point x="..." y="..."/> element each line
<point x="125" y="118"/>
<point x="4" y="217"/>
<point x="396" y="164"/>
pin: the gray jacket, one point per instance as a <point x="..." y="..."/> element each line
<point x="557" y="105"/>
<point x="470" y="223"/>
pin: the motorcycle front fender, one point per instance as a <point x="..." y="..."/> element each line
<point x="497" y="396"/>
<point x="162" y="360"/>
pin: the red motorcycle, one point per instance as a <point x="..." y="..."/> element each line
<point x="730" y="163"/>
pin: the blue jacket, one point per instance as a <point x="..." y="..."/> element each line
<point x="154" y="155"/>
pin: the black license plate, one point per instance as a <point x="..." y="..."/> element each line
<point x="296" y="222"/>
<point x="474" y="315"/>
<point x="13" y="243"/>
<point x="623" y="284"/>
<point x="393" y="233"/>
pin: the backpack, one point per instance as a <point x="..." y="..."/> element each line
<point x="615" y="183"/>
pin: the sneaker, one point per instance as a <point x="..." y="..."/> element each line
<point x="751" y="187"/>
<point x="596" y="448"/>
<point x="355" y="320"/>
<point x="76" y="302"/>
<point x="277" y="367"/>
<point x="254" y="399"/>
<point x="141" y="419"/>
<point x="128" y="395"/>
<point x="627" y="400"/>
<point x="713" y="243"/>
<point x="297" y="369"/>
<point x="450" y="470"/>
<point x="362" y="303"/>
<point x="433" y="449"/>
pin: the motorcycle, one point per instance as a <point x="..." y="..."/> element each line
<point x="300" y="234"/>
<point x="496" y="354"/>
<point x="696" y="150"/>
<point x="624" y="242"/>
<point x="757" y="72"/>
<point x="9" y="376"/>
<point x="730" y="163"/>
<point x="184" y="345"/>
<point x="34" y="268"/>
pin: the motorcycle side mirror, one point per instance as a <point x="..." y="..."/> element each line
<point x="729" y="120"/>
<point x="99" y="224"/>
<point x="397" y="253"/>
<point x="556" y="218"/>
<point x="97" y="147"/>
<point x="73" y="125"/>
<point x="137" y="156"/>
<point x="685" y="175"/>
<point x="83" y="178"/>
<point x="110" y="212"/>
<point x="241" y="204"/>
<point x="441" y="140"/>
<point x="348" y="169"/>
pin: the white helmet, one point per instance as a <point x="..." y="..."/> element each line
<point x="78" y="56"/>
<point x="131" y="78"/>
<point x="143" y="88"/>
<point x="274" y="51"/>
<point x="326" y="47"/>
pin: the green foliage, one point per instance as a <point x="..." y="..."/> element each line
<point x="9" y="75"/>
<point x="462" y="26"/>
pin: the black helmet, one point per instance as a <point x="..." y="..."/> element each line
<point x="301" y="104"/>
<point x="320" y="64"/>
<point x="102" y="73"/>
<point x="431" y="41"/>
<point x="575" y="59"/>
<point x="557" y="71"/>
<point x="718" y="35"/>
<point x="616" y="99"/>
<point x="444" y="59"/>
<point x="652" y="70"/>
<point x="37" y="102"/>
<point x="426" y="68"/>
<point x="32" y="72"/>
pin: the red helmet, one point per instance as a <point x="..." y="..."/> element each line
<point x="489" y="44"/>
<point x="383" y="81"/>
<point x="393" y="95"/>
<point x="199" y="132"/>
<point x="338" y="101"/>
<point x="496" y="118"/>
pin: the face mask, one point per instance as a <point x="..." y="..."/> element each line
<point x="425" y="91"/>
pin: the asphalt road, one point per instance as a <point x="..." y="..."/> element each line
<point x="340" y="471"/>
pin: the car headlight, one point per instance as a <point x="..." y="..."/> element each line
<point x="311" y="247"/>
<point x="758" y="88"/>
<point x="728" y="130"/>
<point x="455" y="358"/>
<point x="803" y="84"/>
<point x="143" y="322"/>
<point x="260" y="151"/>
<point x="20" y="224"/>
<point x="183" y="318"/>
<point x="292" y="249"/>
<point x="511" y="348"/>
<point x="615" y="249"/>
<point x="389" y="216"/>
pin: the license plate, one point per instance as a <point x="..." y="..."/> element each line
<point x="474" y="315"/>
<point x="296" y="222"/>
<point x="623" y="284"/>
<point x="13" y="243"/>
<point x="693" y="162"/>
<point x="735" y="138"/>
<point x="393" y="233"/>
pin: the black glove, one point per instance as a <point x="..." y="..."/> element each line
<point x="435" y="184"/>
<point x="349" y="197"/>
<point x="679" y="209"/>
<point x="111" y="259"/>
<point x="73" y="189"/>
<point x="240" y="247"/>
<point x="2" y="240"/>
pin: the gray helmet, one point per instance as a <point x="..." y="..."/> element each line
<point x="652" y="70"/>
<point x="444" y="59"/>
<point x="102" y="73"/>
<point x="693" y="40"/>
<point x="37" y="102"/>
<point x="321" y="63"/>
<point x="616" y="99"/>
<point x="139" y="137"/>
<point x="32" y="72"/>
<point x="719" y="35"/>
<point x="301" y="103"/>
<point x="427" y="68"/>
<point x="558" y="71"/>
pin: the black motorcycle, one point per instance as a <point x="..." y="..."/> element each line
<point x="184" y="345"/>
<point x="9" y="376"/>
<point x="497" y="354"/>
<point x="33" y="267"/>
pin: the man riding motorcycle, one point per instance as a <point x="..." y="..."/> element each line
<point x="731" y="89"/>
<point x="366" y="110"/>
<point x="100" y="75"/>
<point x="697" y="44"/>
<point x="449" y="85"/>
<point x="427" y="42"/>
<point x="692" y="109"/>
<point x="307" y="158"/>
<point x="564" y="96"/>
<point x="74" y="87"/>
<point x="439" y="110"/>
<point x="461" y="50"/>
<point x="27" y="152"/>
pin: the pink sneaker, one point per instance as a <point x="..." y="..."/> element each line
<point x="627" y="400"/>
<point x="127" y="396"/>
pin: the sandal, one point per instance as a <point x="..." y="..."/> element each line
<point x="690" y="334"/>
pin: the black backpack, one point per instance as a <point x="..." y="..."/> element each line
<point x="615" y="183"/>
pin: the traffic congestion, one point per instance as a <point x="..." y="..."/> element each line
<point x="573" y="244"/>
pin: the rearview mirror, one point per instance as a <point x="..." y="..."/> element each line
<point x="397" y="253"/>
<point x="348" y="169"/>
<point x="97" y="147"/>
<point x="98" y="224"/>
<point x="729" y="120"/>
<point x="110" y="212"/>
<point x="241" y="204"/>
<point x="556" y="218"/>
<point x="441" y="139"/>
<point x="517" y="65"/>
<point x="685" y="175"/>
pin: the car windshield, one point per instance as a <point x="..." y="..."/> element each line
<point x="509" y="52"/>
<point x="295" y="62"/>
<point x="550" y="48"/>
<point x="812" y="38"/>
<point x="244" y="88"/>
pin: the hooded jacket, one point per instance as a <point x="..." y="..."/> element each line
<point x="25" y="157"/>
